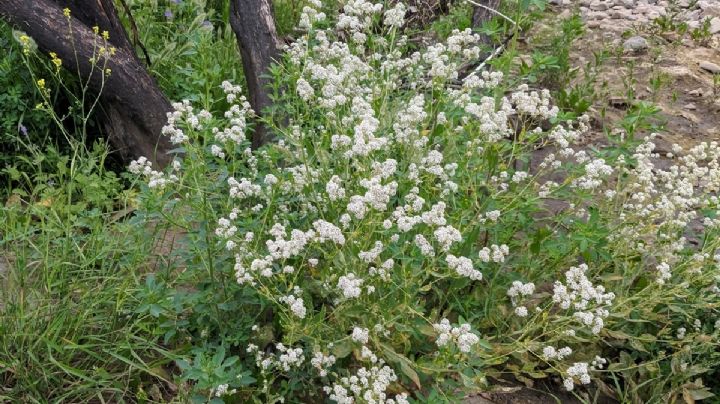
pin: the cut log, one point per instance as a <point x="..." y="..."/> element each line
<point x="254" y="26"/>
<point x="133" y="106"/>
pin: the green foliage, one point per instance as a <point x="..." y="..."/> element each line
<point x="116" y="293"/>
<point x="20" y="123"/>
<point x="459" y="17"/>
<point x="191" y="46"/>
<point x="68" y="279"/>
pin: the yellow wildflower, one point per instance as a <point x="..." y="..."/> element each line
<point x="96" y="29"/>
<point x="66" y="12"/>
<point x="55" y="60"/>
<point x="41" y="84"/>
<point x="105" y="35"/>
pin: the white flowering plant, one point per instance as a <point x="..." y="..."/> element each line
<point x="413" y="233"/>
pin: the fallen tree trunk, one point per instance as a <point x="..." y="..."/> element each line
<point x="133" y="105"/>
<point x="254" y="26"/>
<point x="483" y="14"/>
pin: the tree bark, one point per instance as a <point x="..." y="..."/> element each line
<point x="254" y="25"/>
<point x="134" y="106"/>
<point x="481" y="15"/>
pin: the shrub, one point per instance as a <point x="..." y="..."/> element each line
<point x="416" y="234"/>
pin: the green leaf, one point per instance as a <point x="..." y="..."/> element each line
<point x="406" y="365"/>
<point x="697" y="393"/>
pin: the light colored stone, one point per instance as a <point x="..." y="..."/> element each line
<point x="715" y="25"/>
<point x="710" y="66"/>
<point x="690" y="106"/>
<point x="636" y="44"/>
<point x="598" y="5"/>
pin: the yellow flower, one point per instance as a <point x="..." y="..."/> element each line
<point x="112" y="51"/>
<point x="105" y="35"/>
<point x="55" y="60"/>
<point x="66" y="12"/>
<point x="96" y="29"/>
<point x="107" y="72"/>
<point x="41" y="83"/>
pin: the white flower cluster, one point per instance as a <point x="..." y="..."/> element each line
<point x="446" y="236"/>
<point x="327" y="231"/>
<point x="334" y="188"/>
<point x="580" y="294"/>
<point x="578" y="371"/>
<point x="496" y="253"/>
<point x="322" y="362"/>
<point x="285" y="358"/>
<point x="366" y="385"/>
<point x="357" y="15"/>
<point x="395" y="16"/>
<point x="224" y="389"/>
<point x="156" y="179"/>
<point x="350" y="286"/>
<point x="549" y="352"/>
<point x="425" y="247"/>
<point x="533" y="103"/>
<point x="464" y="267"/>
<point x="664" y="273"/>
<point x="372" y="254"/>
<point x="243" y="189"/>
<point x="297" y="306"/>
<point x="517" y="292"/>
<point x="225" y="228"/>
<point x="310" y="15"/>
<point x="595" y="170"/>
<point x="360" y="335"/>
<point x="461" y="336"/>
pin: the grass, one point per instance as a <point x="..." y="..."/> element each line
<point x="68" y="328"/>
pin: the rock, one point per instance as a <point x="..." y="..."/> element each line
<point x="698" y="92"/>
<point x="593" y="24"/>
<point x="636" y="44"/>
<point x="693" y="16"/>
<point x="628" y="3"/>
<point x="598" y="5"/>
<point x="690" y="107"/>
<point x="618" y="102"/>
<point x="715" y="25"/>
<point x="556" y="2"/>
<point x="710" y="66"/>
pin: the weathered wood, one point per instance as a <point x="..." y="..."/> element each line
<point x="134" y="106"/>
<point x="254" y="25"/>
<point x="481" y="15"/>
